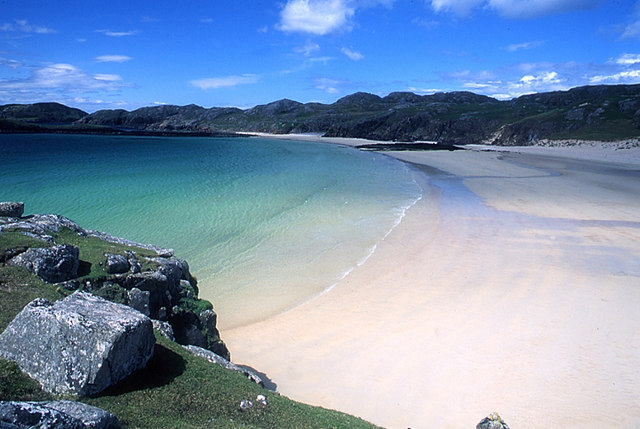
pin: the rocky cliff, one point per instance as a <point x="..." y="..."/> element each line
<point x="604" y="112"/>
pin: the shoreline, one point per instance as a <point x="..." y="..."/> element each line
<point x="511" y="287"/>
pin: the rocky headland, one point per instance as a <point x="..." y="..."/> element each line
<point x="109" y="296"/>
<point x="596" y="113"/>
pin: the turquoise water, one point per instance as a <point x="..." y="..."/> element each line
<point x="265" y="224"/>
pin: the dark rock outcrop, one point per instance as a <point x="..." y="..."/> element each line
<point x="58" y="414"/>
<point x="81" y="344"/>
<point x="52" y="264"/>
<point x="11" y="209"/>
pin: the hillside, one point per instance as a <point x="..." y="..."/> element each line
<point x="604" y="112"/>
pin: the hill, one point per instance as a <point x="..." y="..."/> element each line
<point x="604" y="112"/>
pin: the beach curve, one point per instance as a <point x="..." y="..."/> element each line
<point x="492" y="294"/>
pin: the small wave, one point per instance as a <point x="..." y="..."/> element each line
<point x="370" y="253"/>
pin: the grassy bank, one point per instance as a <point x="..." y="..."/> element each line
<point x="175" y="389"/>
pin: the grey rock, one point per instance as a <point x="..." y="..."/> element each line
<point x="214" y="358"/>
<point x="164" y="328"/>
<point x="116" y="264"/>
<point x="493" y="421"/>
<point x="139" y="300"/>
<point x="52" y="264"/>
<point x="80" y="345"/>
<point x="91" y="417"/>
<point x="11" y="209"/>
<point x="58" y="414"/>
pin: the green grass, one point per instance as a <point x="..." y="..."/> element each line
<point x="92" y="251"/>
<point x="175" y="389"/>
<point x="18" y="287"/>
<point x="179" y="390"/>
<point x="16" y="386"/>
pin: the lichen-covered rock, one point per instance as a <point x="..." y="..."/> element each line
<point x="58" y="414"/>
<point x="52" y="264"/>
<point x="11" y="209"/>
<point x="116" y="264"/>
<point x="164" y="328"/>
<point x="81" y="344"/>
<point x="493" y="421"/>
<point x="139" y="299"/>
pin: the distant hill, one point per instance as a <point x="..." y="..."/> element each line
<point x="41" y="113"/>
<point x="604" y="112"/>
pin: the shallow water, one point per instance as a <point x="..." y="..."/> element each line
<point x="265" y="224"/>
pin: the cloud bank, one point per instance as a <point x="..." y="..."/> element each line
<point x="224" y="82"/>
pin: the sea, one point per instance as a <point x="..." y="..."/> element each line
<point x="265" y="224"/>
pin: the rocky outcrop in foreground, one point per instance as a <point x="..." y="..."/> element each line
<point x="79" y="345"/>
<point x="57" y="414"/>
<point x="145" y="277"/>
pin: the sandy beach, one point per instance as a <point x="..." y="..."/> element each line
<point x="513" y="286"/>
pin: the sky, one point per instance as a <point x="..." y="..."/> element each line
<point x="215" y="53"/>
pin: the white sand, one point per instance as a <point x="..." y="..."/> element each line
<point x="520" y="297"/>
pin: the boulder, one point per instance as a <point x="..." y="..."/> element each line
<point x="79" y="345"/>
<point x="11" y="209"/>
<point x="52" y="264"/>
<point x="116" y="264"/>
<point x="58" y="414"/>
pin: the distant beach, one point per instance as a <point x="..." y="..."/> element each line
<point x="513" y="287"/>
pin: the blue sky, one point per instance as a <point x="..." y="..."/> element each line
<point x="129" y="54"/>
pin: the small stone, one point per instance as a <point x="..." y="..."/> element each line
<point x="493" y="421"/>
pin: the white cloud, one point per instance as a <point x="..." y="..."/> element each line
<point x="514" y="8"/>
<point x="330" y="86"/>
<point x="315" y="16"/>
<point x="523" y="46"/>
<point x="23" y="26"/>
<point x="631" y="76"/>
<point x="117" y="33"/>
<point x="60" y="82"/>
<point x="458" y="7"/>
<point x="631" y="31"/>
<point x="112" y="59"/>
<point x="628" y="59"/>
<point x="536" y="8"/>
<point x="354" y="55"/>
<point x="542" y="78"/>
<point x="307" y="49"/>
<point x="423" y="91"/>
<point x="107" y="77"/>
<point x="224" y="82"/>
<point x="13" y="64"/>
